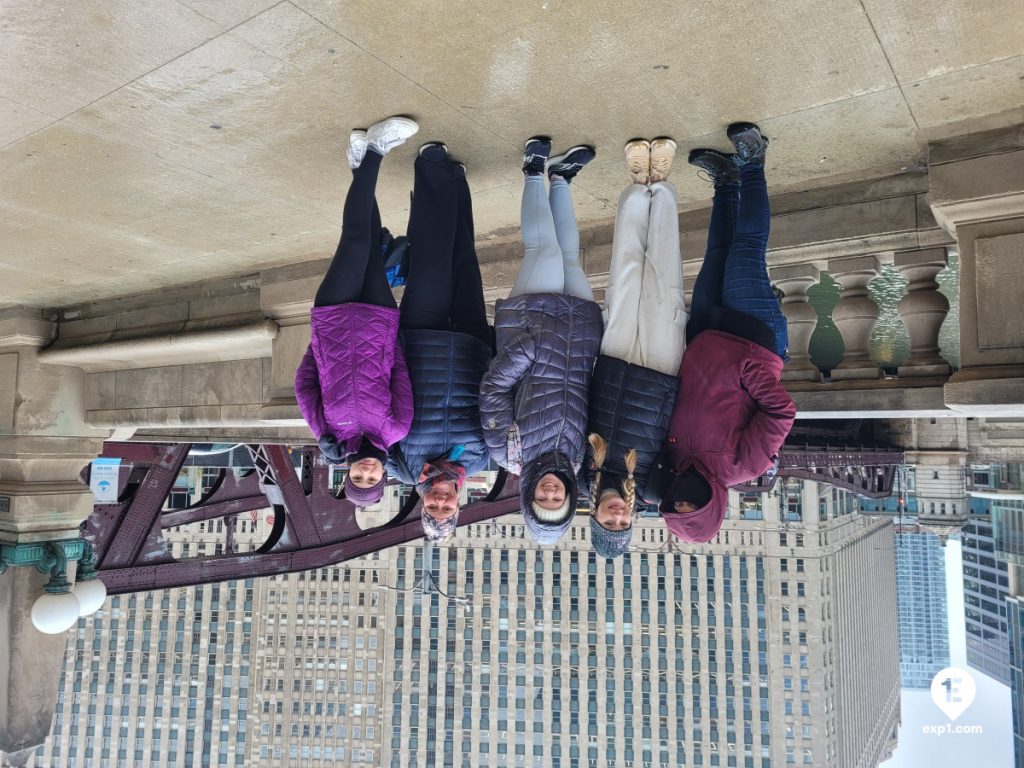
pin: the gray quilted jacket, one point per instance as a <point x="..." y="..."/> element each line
<point x="533" y="399"/>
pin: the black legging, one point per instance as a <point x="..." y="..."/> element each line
<point x="356" y="272"/>
<point x="444" y="290"/>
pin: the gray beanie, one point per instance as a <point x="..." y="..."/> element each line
<point x="549" y="526"/>
<point x="609" y="544"/>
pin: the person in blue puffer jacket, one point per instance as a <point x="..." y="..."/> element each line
<point x="448" y="343"/>
<point x="533" y="399"/>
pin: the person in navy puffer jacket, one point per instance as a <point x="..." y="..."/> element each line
<point x="634" y="383"/>
<point x="447" y="341"/>
<point x="352" y="385"/>
<point x="533" y="399"/>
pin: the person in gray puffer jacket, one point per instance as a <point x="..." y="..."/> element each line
<point x="533" y="399"/>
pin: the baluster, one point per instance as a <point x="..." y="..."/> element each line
<point x="794" y="280"/>
<point x="923" y="310"/>
<point x="889" y="343"/>
<point x="826" y="344"/>
<point x="855" y="315"/>
<point x="949" y="286"/>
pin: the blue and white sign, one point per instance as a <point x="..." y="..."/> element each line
<point x="103" y="480"/>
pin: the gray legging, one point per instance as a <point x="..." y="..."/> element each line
<point x="551" y="263"/>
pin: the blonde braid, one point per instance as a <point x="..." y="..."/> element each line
<point x="629" y="485"/>
<point x="600" y="450"/>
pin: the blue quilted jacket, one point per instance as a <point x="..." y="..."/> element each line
<point x="533" y="399"/>
<point x="445" y="369"/>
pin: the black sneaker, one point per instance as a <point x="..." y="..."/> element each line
<point x="718" y="165"/>
<point x="571" y="162"/>
<point x="750" y="143"/>
<point x="535" y="155"/>
<point x="435" y="151"/>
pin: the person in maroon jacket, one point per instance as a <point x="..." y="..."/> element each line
<point x="732" y="413"/>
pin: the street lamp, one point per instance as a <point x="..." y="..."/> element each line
<point x="61" y="603"/>
<point x="90" y="591"/>
<point x="57" y="609"/>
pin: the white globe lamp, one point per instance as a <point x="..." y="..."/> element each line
<point x="55" y="612"/>
<point x="90" y="594"/>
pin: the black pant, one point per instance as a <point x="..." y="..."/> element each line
<point x="444" y="291"/>
<point x="356" y="272"/>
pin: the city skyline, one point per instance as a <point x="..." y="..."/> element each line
<point x="304" y="674"/>
<point x="329" y="681"/>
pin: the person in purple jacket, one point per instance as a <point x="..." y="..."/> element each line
<point x="353" y="385"/>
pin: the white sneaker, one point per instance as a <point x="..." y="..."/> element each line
<point x="357" y="144"/>
<point x="390" y="133"/>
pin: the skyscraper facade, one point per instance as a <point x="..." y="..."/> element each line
<point x="985" y="590"/>
<point x="762" y="647"/>
<point x="161" y="678"/>
<point x="921" y="597"/>
<point x="281" y="671"/>
<point x="1015" y="615"/>
<point x="318" y="669"/>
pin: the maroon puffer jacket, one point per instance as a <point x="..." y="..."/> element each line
<point x="353" y="379"/>
<point x="730" y="419"/>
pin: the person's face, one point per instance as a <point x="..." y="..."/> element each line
<point x="442" y="500"/>
<point x="550" y="492"/>
<point x="613" y="514"/>
<point x="684" y="507"/>
<point x="366" y="473"/>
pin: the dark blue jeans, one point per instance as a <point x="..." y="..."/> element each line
<point x="734" y="273"/>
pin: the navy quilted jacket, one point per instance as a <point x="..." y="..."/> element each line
<point x="630" y="407"/>
<point x="445" y="369"/>
<point x="533" y="400"/>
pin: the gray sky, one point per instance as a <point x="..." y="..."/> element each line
<point x="991" y="707"/>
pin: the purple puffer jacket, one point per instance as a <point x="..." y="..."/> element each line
<point x="353" y="380"/>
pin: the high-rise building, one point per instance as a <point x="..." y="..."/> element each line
<point x="763" y="647"/>
<point x="940" y="488"/>
<point x="985" y="585"/>
<point x="281" y="671"/>
<point x="161" y="678"/>
<point x="1008" y="527"/>
<point x="1015" y="617"/>
<point x="318" y="669"/>
<point x="921" y="598"/>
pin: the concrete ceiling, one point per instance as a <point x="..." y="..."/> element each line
<point x="152" y="144"/>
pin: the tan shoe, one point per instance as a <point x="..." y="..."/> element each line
<point x="663" y="151"/>
<point x="638" y="160"/>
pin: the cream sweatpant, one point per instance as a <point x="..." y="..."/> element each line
<point x="645" y="315"/>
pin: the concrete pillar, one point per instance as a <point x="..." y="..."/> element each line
<point x="923" y="310"/>
<point x="30" y="664"/>
<point x="44" y="444"/>
<point x="286" y="296"/>
<point x="855" y="315"/>
<point x="793" y="281"/>
<point x="977" y="194"/>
